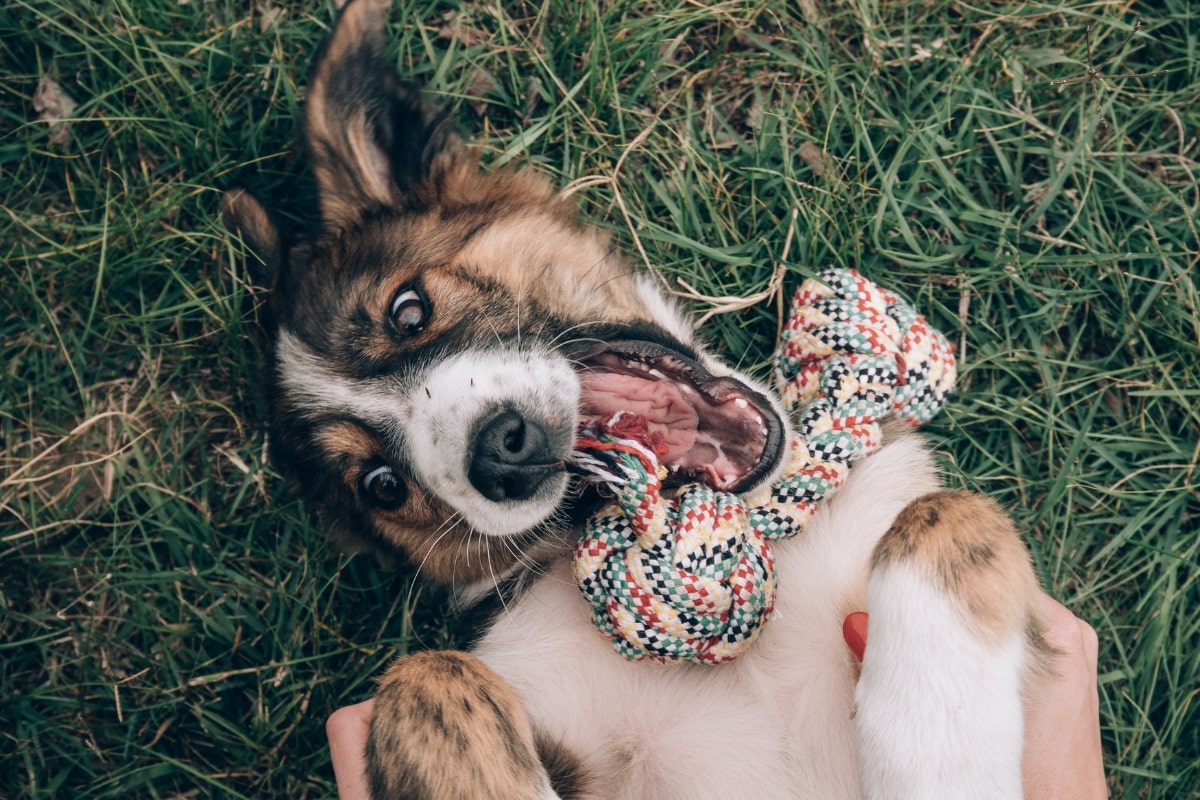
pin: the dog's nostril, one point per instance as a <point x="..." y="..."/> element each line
<point x="514" y="440"/>
<point x="511" y="457"/>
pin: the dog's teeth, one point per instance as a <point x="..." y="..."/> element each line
<point x="740" y="402"/>
<point x="657" y="374"/>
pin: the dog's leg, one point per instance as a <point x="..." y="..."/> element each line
<point x="445" y="727"/>
<point x="954" y="634"/>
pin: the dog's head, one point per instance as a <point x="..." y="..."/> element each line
<point x="437" y="340"/>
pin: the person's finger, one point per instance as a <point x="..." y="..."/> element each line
<point x="1064" y="757"/>
<point x="1066" y="632"/>
<point x="347" y="730"/>
<point x="1061" y="625"/>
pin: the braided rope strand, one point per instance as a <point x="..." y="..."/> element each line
<point x="690" y="577"/>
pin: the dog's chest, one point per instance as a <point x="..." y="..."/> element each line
<point x="776" y="722"/>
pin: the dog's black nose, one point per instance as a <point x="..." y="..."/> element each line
<point x="511" y="457"/>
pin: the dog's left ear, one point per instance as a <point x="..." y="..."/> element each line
<point x="244" y="215"/>
<point x="371" y="141"/>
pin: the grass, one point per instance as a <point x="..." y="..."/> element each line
<point x="171" y="623"/>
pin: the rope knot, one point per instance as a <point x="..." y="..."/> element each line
<point x="690" y="575"/>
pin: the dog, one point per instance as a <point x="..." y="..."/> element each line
<point x="433" y="344"/>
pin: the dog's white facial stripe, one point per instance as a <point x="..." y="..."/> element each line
<point x="316" y="390"/>
<point x="431" y="414"/>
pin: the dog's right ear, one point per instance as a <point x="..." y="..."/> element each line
<point x="370" y="140"/>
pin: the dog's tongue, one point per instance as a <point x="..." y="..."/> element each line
<point x="715" y="441"/>
<point x="660" y="403"/>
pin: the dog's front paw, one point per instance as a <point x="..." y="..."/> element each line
<point x="446" y="727"/>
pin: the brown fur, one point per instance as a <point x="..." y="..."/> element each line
<point x="458" y="730"/>
<point x="567" y="774"/>
<point x="245" y="214"/>
<point x="967" y="544"/>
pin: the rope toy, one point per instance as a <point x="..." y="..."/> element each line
<point x="690" y="577"/>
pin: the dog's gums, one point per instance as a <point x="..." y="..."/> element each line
<point x="716" y="430"/>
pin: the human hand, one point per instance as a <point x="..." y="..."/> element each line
<point x="347" y="730"/>
<point x="1063" y="756"/>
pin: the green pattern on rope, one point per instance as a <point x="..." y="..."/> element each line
<point x="691" y="577"/>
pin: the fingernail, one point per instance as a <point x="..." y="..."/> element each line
<point x="854" y="631"/>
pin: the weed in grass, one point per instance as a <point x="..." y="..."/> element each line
<point x="1093" y="76"/>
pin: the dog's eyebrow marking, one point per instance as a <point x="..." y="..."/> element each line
<point x="317" y="390"/>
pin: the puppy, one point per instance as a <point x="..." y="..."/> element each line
<point x="433" y="346"/>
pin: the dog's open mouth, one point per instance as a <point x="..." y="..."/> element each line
<point x="717" y="431"/>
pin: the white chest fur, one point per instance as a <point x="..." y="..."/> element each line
<point x="776" y="723"/>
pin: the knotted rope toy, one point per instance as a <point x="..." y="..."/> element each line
<point x="690" y="576"/>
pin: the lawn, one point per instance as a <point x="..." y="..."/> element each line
<point x="172" y="623"/>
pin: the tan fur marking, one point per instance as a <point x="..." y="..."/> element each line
<point x="456" y="183"/>
<point x="968" y="544"/>
<point x="348" y="439"/>
<point x="551" y="262"/>
<point x="428" y="532"/>
<point x="446" y="727"/>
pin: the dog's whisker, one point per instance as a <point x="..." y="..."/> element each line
<point x="518" y="311"/>
<point x="465" y="551"/>
<point x="440" y="533"/>
<point x="596" y="266"/>
<point x="495" y="332"/>
<point x="559" y="339"/>
<point x="522" y="558"/>
<point x="495" y="578"/>
<point x="620" y="276"/>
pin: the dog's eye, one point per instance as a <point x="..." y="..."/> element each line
<point x="409" y="311"/>
<point x="384" y="487"/>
